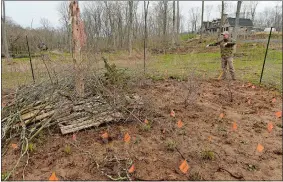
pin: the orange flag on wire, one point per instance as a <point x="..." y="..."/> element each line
<point x="259" y="148"/>
<point x="278" y="114"/>
<point x="53" y="177"/>
<point x="234" y="126"/>
<point x="105" y="135"/>
<point x="184" y="167"/>
<point x="180" y="124"/>
<point x="14" y="146"/>
<point x="127" y="138"/>
<point x="172" y="113"/>
<point x="269" y="127"/>
<point x="132" y="169"/>
<point x="273" y="100"/>
<point x="221" y="115"/>
<point x="146" y="121"/>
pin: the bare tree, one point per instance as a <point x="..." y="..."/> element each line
<point x="194" y="18"/>
<point x="4" y="41"/>
<point x="222" y="19"/>
<point x="208" y="9"/>
<point x="237" y="20"/>
<point x="174" y="23"/>
<point x="64" y="12"/>
<point x="252" y="6"/>
<point x="130" y="26"/>
<point x="78" y="41"/>
<point x="201" y="29"/>
<point x="145" y="31"/>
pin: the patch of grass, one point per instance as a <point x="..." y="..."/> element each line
<point x="185" y="37"/>
<point x="4" y="175"/>
<point x="207" y="155"/>
<point x="68" y="149"/>
<point x="171" y="145"/>
<point x="251" y="167"/>
<point x="31" y="147"/>
<point x="137" y="140"/>
<point x="195" y="177"/>
<point x="145" y="127"/>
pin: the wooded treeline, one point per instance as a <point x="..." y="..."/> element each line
<point x="120" y="25"/>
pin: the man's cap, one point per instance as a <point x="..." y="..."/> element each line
<point x="225" y="33"/>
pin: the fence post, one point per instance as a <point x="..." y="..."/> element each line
<point x="30" y="60"/>
<point x="265" y="55"/>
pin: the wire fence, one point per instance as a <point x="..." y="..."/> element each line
<point x="177" y="62"/>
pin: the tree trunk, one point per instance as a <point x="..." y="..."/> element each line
<point x="235" y="31"/>
<point x="76" y="45"/>
<point x="4" y="41"/>
<point x="130" y="26"/>
<point x="201" y="29"/>
<point x="165" y="21"/>
<point x="145" y="33"/>
<point x="174" y="23"/>
<point x="221" y="24"/>
<point x="178" y="20"/>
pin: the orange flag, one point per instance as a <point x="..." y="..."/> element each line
<point x="180" y="124"/>
<point x="127" y="137"/>
<point x="74" y="137"/>
<point x="210" y="138"/>
<point x="269" y="127"/>
<point x="53" y="177"/>
<point x="132" y="169"/>
<point x="184" y="167"/>
<point x="146" y="121"/>
<point x="234" y="126"/>
<point x="14" y="146"/>
<point x="278" y="114"/>
<point x="221" y="115"/>
<point x="259" y="148"/>
<point x="273" y="100"/>
<point x="105" y="135"/>
<point x="253" y="87"/>
<point x="172" y="113"/>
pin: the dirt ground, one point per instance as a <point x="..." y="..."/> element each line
<point x="152" y="150"/>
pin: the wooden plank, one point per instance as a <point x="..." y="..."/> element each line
<point x="84" y="123"/>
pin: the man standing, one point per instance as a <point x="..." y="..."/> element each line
<point x="227" y="48"/>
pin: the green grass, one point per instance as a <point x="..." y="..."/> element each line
<point x="248" y="67"/>
<point x="187" y="36"/>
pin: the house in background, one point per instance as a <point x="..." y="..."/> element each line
<point x="245" y="25"/>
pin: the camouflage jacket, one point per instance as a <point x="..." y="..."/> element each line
<point x="228" y="49"/>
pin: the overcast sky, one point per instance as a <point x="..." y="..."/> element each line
<point x="23" y="12"/>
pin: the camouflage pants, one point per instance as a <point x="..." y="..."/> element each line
<point x="224" y="62"/>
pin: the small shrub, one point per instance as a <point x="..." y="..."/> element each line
<point x="145" y="127"/>
<point x="31" y="147"/>
<point x="137" y="140"/>
<point x="4" y="175"/>
<point x="208" y="155"/>
<point x="195" y="177"/>
<point x="171" y="145"/>
<point x="67" y="150"/>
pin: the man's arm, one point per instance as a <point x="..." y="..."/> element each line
<point x="214" y="44"/>
<point x="230" y="44"/>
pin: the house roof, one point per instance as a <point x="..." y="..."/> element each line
<point x="242" y="22"/>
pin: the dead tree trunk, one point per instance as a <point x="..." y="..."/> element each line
<point x="78" y="40"/>
<point x="130" y="26"/>
<point x="174" y="23"/>
<point x="235" y="32"/>
<point x="4" y="36"/>
<point x="201" y="27"/>
<point x="165" y="3"/>
<point x="145" y="33"/>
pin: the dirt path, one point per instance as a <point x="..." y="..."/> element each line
<point x="152" y="149"/>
